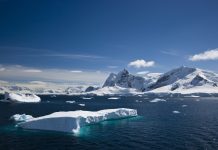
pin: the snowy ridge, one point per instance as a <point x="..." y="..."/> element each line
<point x="72" y="121"/>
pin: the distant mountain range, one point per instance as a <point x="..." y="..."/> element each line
<point x="182" y="80"/>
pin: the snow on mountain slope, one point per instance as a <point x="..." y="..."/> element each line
<point x="186" y="80"/>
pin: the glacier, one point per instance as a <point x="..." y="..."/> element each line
<point x="72" y="121"/>
<point x="17" y="97"/>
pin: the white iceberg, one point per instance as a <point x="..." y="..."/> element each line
<point x="82" y="105"/>
<point x="71" y="102"/>
<point x="113" y="98"/>
<point x="20" y="118"/>
<point x="86" y="97"/>
<point x="72" y="121"/>
<point x="16" y="97"/>
<point x="176" y="112"/>
<point x="157" y="100"/>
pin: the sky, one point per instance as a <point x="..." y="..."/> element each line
<point x="83" y="40"/>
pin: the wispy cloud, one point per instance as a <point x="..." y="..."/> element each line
<point x="2" y="69"/>
<point x="207" y="55"/>
<point x="34" y="52"/>
<point x="142" y="72"/>
<point x="112" y="67"/>
<point x="23" y="73"/>
<point x="32" y="70"/>
<point x="76" y="71"/>
<point x="140" y="63"/>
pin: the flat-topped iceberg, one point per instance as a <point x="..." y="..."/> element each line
<point x="72" y="121"/>
<point x="16" y="97"/>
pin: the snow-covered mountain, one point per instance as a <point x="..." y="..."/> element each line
<point x="179" y="80"/>
<point x="125" y="80"/>
<point x="186" y="79"/>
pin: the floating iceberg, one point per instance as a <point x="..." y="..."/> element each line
<point x="21" y="118"/>
<point x="176" y="112"/>
<point x="82" y="105"/>
<point x="72" y="121"/>
<point x="86" y="97"/>
<point x="113" y="98"/>
<point x="71" y="102"/>
<point x="15" y="97"/>
<point x="157" y="100"/>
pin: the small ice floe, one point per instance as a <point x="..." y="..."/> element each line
<point x="139" y="95"/>
<point x="21" y="118"/>
<point x="72" y="121"/>
<point x="138" y="101"/>
<point x="197" y="100"/>
<point x="176" y="112"/>
<point x="71" y="102"/>
<point x="82" y="105"/>
<point x="192" y="96"/>
<point x="113" y="98"/>
<point x="86" y="97"/>
<point x="184" y="105"/>
<point x="157" y="100"/>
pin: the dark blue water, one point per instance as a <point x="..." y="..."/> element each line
<point x="195" y="127"/>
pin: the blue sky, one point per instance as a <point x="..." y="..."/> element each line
<point x="107" y="35"/>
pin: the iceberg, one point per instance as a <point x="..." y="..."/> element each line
<point x="113" y="98"/>
<point x="82" y="105"/>
<point x="21" y="118"/>
<point x="176" y="112"/>
<point x="86" y="97"/>
<point x="16" y="97"/>
<point x="71" y="102"/>
<point x="72" y="121"/>
<point x="157" y="100"/>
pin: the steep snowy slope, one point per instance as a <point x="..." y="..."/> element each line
<point x="185" y="79"/>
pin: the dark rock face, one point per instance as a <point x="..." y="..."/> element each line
<point x="126" y="80"/>
<point x="91" y="88"/>
<point x="198" y="81"/>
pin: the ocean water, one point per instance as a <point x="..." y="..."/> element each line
<point x="178" y="123"/>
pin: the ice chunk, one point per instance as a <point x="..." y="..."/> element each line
<point x="157" y="100"/>
<point x="113" y="98"/>
<point x="176" y="112"/>
<point x="82" y="105"/>
<point x="72" y="121"/>
<point x="15" y="97"/>
<point x="86" y="97"/>
<point x="20" y="118"/>
<point x="71" y="102"/>
<point x="184" y="105"/>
